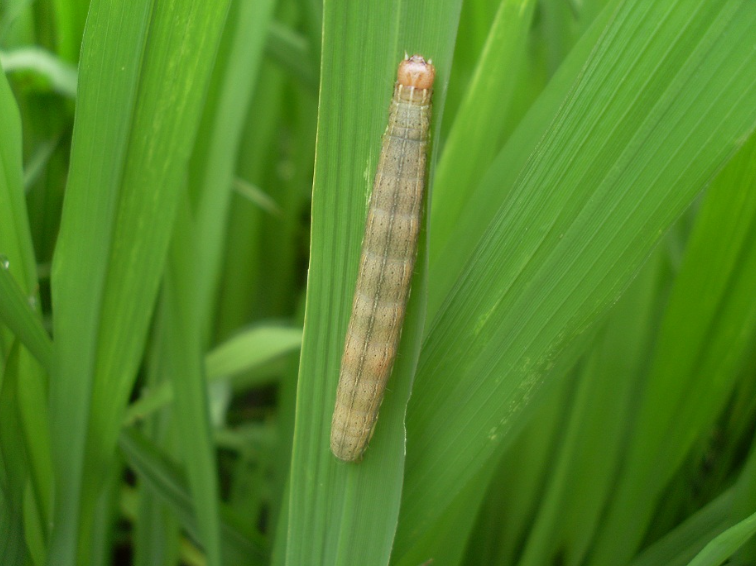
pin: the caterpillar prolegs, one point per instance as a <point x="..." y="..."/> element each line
<point x="389" y="248"/>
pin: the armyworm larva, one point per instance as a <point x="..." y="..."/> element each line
<point x="389" y="248"/>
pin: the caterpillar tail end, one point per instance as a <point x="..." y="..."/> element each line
<point x="350" y="452"/>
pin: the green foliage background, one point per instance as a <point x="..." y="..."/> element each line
<point x="183" y="187"/>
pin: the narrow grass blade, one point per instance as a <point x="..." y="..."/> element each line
<point x="17" y="314"/>
<point x="244" y="352"/>
<point x="512" y="496"/>
<point x="456" y="530"/>
<point x="681" y="545"/>
<point x="269" y="114"/>
<point x="475" y="137"/>
<point x="250" y="349"/>
<point x="744" y="502"/>
<point x="157" y="531"/>
<point x="16" y="252"/>
<point x="345" y="513"/>
<point x="70" y="16"/>
<point x="39" y="161"/>
<point x="722" y="547"/>
<point x="292" y="51"/>
<point x="257" y="196"/>
<point x="183" y="360"/>
<point x="60" y="74"/>
<point x="106" y="517"/>
<point x="13" y="466"/>
<point x="20" y="297"/>
<point x="212" y="168"/>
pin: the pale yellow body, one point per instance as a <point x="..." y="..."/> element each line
<point x="389" y="248"/>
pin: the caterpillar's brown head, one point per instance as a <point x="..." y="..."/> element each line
<point x="416" y="72"/>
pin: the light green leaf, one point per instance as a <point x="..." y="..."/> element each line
<point x="60" y="74"/>
<point x="292" y="52"/>
<point x="475" y="137"/>
<point x="18" y="315"/>
<point x="678" y="547"/>
<point x="18" y="291"/>
<point x="182" y="343"/>
<point x="13" y="466"/>
<point x="247" y="351"/>
<point x="16" y="252"/>
<point x="345" y="513"/>
<point x="217" y="148"/>
<point x="251" y="349"/>
<point x="722" y="547"/>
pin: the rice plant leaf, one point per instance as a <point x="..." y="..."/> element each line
<point x="456" y="529"/>
<point x="60" y="74"/>
<point x="291" y="50"/>
<point x="344" y="513"/>
<point x="244" y="352"/>
<point x="214" y="158"/>
<point x="682" y="544"/>
<point x="37" y="163"/>
<point x="17" y="314"/>
<point x="182" y="340"/>
<point x="70" y="16"/>
<point x="475" y="137"/>
<point x="250" y="349"/>
<point x="16" y="251"/>
<point x="257" y="196"/>
<point x="80" y="260"/>
<point x="141" y="85"/>
<point x="13" y="466"/>
<point x="18" y="272"/>
<point x="722" y="547"/>
<point x="483" y="203"/>
<point x="156" y="531"/>
<point x="660" y="102"/>
<point x="744" y="501"/>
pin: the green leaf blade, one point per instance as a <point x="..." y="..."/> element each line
<point x="345" y="513"/>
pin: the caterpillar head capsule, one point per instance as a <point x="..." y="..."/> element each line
<point x="416" y="72"/>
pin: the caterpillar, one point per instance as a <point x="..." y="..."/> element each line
<point x="389" y="249"/>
